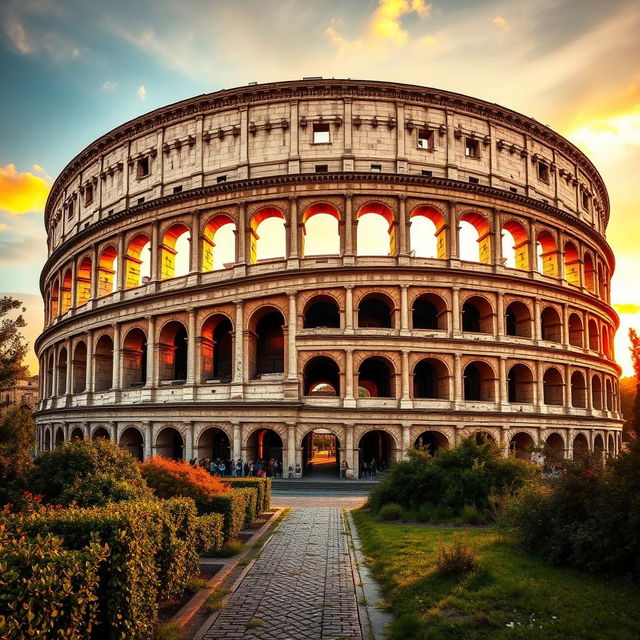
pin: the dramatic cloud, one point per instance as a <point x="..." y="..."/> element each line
<point x="21" y="192"/>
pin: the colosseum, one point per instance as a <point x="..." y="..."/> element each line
<point x="384" y="263"/>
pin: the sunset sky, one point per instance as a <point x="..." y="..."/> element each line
<point x="73" y="69"/>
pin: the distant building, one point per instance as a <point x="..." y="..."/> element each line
<point x="25" y="391"/>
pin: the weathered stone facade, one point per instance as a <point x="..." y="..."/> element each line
<point x="518" y="347"/>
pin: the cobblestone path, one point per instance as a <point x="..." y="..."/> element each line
<point x="300" y="588"/>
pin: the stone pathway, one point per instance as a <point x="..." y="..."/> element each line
<point x="300" y="588"/>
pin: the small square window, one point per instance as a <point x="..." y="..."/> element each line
<point x="473" y="180"/>
<point x="543" y="171"/>
<point x="177" y="189"/>
<point x="110" y="212"/>
<point x="586" y="199"/>
<point x="322" y="168"/>
<point x="471" y="148"/>
<point x="321" y="133"/>
<point x="221" y="179"/>
<point x="425" y="139"/>
<point x="376" y="168"/>
<point x="140" y="200"/>
<point x="142" y="168"/>
<point x="88" y="195"/>
<point x="427" y="174"/>
<point x="513" y="190"/>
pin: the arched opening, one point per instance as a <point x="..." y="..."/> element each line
<point x="375" y="233"/>
<point x="594" y="336"/>
<point x="580" y="447"/>
<point x="103" y="363"/>
<point x="321" y="312"/>
<point x="375" y="311"/>
<point x="518" y="320"/>
<point x="483" y="437"/>
<point x="596" y="392"/>
<point x="578" y="390"/>
<point x="134" y="359"/>
<point x="138" y="262"/>
<point x="50" y="374"/>
<point x="62" y="371"/>
<point x="609" y="394"/>
<point x="213" y="444"/>
<point x="475" y="238"/>
<point x="606" y="342"/>
<point x="59" y="439"/>
<point x="427" y="233"/>
<point x="520" y="384"/>
<point x="55" y="299"/>
<point x="479" y="382"/>
<point x="521" y="445"/>
<point x="107" y="271"/>
<point x="547" y="253"/>
<point x="321" y="377"/>
<point x="79" y="368"/>
<point x="77" y="434"/>
<point x="175" y="252"/>
<point x="431" y="441"/>
<point x="554" y="450"/>
<point x="515" y="246"/>
<point x="589" y="273"/>
<point x="321" y="454"/>
<point x="429" y="312"/>
<point x="553" y="387"/>
<point x="47" y="440"/>
<point x="477" y="315"/>
<point x="172" y="353"/>
<point x="321" y="230"/>
<point x="216" y="347"/>
<point x="376" y="451"/>
<point x="269" y="343"/>
<point x="430" y="379"/>
<point x="551" y="325"/>
<point x="375" y="379"/>
<point x="218" y="243"/>
<point x="603" y="285"/>
<point x="571" y="264"/>
<point x="169" y="444"/>
<point x="66" y="292"/>
<point x="268" y="235"/>
<point x="83" y="282"/>
<point x="265" y="445"/>
<point x="576" y="330"/>
<point x="598" y="448"/>
<point x="101" y="433"/>
<point x="611" y="445"/>
<point x="131" y="440"/>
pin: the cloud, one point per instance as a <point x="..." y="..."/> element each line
<point x="18" y="36"/>
<point x="142" y="93"/>
<point x="109" y="86"/>
<point x="501" y="23"/>
<point x="627" y="309"/>
<point x="22" y="192"/>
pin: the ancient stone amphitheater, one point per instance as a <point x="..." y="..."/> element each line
<point x="387" y="263"/>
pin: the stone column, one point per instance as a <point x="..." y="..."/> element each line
<point x="293" y="233"/>
<point x="565" y="325"/>
<point x="195" y="245"/>
<point x="94" y="274"/>
<point x="349" y="398"/>
<point x="240" y="232"/>
<point x="74" y="285"/>
<point x="238" y="351"/>
<point x="537" y="325"/>
<point x="458" y="390"/>
<point x="291" y="449"/>
<point x="503" y="389"/>
<point x="348" y="309"/>
<point x="403" y="248"/>
<point x="455" y="311"/>
<point x="188" y="441"/>
<point x="567" y="386"/>
<point x="191" y="348"/>
<point x="68" y="372"/>
<point x="405" y="399"/>
<point x="501" y="317"/>
<point x="349" y="249"/>
<point x="148" y="440"/>
<point x="122" y="263"/>
<point x="155" y="266"/>
<point x="88" y="381"/>
<point x="404" y="310"/>
<point x="540" y="386"/>
<point x="406" y="440"/>
<point x="236" y="451"/>
<point x="533" y="247"/>
<point x="496" y="238"/>
<point x="292" y="351"/>
<point x="452" y="235"/>
<point x="116" y="357"/>
<point x="349" y="449"/>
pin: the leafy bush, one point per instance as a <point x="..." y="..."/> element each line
<point x="17" y="442"/>
<point x="589" y="517"/>
<point x="467" y="475"/>
<point x="391" y="511"/>
<point x="251" y="510"/>
<point x="171" y="478"/>
<point x="262" y="484"/>
<point x="66" y="473"/>
<point x="232" y="507"/>
<point x="209" y="533"/>
<point x="47" y="591"/>
<point x="458" y="558"/>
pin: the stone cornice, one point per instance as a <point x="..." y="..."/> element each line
<point x="330" y="88"/>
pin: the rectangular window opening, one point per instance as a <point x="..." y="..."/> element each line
<point x="471" y="148"/>
<point x="513" y="190"/>
<point x="322" y="168"/>
<point x="586" y="199"/>
<point x="140" y="200"/>
<point x="142" y="168"/>
<point x="376" y="168"/>
<point x="427" y="174"/>
<point x="221" y="179"/>
<point x="425" y="139"/>
<point x="177" y="189"/>
<point x="70" y="211"/>
<point x="88" y="196"/>
<point x="473" y="180"/>
<point x="543" y="171"/>
<point x="321" y="133"/>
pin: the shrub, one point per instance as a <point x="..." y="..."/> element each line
<point x="209" y="533"/>
<point x="17" y="442"/>
<point x="471" y="515"/>
<point x="100" y="489"/>
<point x="391" y="511"/>
<point x="262" y="484"/>
<point x="47" y="591"/>
<point x="458" y="558"/>
<point x="251" y="510"/>
<point x="65" y="473"/>
<point x="232" y="507"/>
<point x="171" y="478"/>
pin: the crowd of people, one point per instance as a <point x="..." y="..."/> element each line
<point x="269" y="468"/>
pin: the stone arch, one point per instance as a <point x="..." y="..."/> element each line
<point x="598" y="448"/>
<point x="578" y="390"/>
<point x="55" y="299"/>
<point x="376" y="378"/>
<point x="59" y="437"/>
<point x="376" y="446"/>
<point x="213" y="442"/>
<point x="430" y="379"/>
<point x="475" y="227"/>
<point x="275" y="221"/>
<point x="132" y="440"/>
<point x="175" y="253"/>
<point x="47" y="440"/>
<point x="429" y="311"/>
<point x="321" y="377"/>
<point x="212" y="258"/>
<point x="65" y="298"/>
<point x="479" y="382"/>
<point x="432" y="441"/>
<point x="571" y="263"/>
<point x="63" y="363"/>
<point x="611" y="444"/>
<point x="554" y="446"/>
<point x="375" y="230"/>
<point x="547" y="254"/>
<point x="576" y="330"/>
<point x="138" y="261"/>
<point x="76" y="434"/>
<point x="551" y="325"/>
<point x="172" y="352"/>
<point x="521" y="445"/>
<point x="589" y="272"/>
<point x="216" y="348"/>
<point x="553" y="387"/>
<point x="103" y="363"/>
<point x="477" y="315"/>
<point x="321" y="230"/>
<point x="169" y="443"/>
<point x="134" y="358"/>
<point x="515" y="245"/>
<point x="606" y="342"/>
<point x="596" y="391"/>
<point x="100" y="432"/>
<point x="608" y="386"/>
<point x="321" y="311"/>
<point x="427" y="225"/>
<point x="79" y="367"/>
<point x="107" y="270"/>
<point x="520" y="384"/>
<point x="518" y="320"/>
<point x="594" y="335"/>
<point x="376" y="310"/>
<point x="268" y="348"/>
<point x="263" y="443"/>
<point x="83" y="281"/>
<point x="580" y="446"/>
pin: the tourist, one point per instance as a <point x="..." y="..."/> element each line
<point x="222" y="468"/>
<point x="344" y="466"/>
<point x="213" y="468"/>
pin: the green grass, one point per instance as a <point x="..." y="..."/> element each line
<point x="510" y="595"/>
<point x="214" y="601"/>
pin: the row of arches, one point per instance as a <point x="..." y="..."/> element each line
<point x="130" y="264"/>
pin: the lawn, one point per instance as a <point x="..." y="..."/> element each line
<point x="511" y="594"/>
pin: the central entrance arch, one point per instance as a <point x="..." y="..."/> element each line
<point x="321" y="454"/>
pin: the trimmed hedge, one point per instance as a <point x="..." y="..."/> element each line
<point x="262" y="484"/>
<point x="47" y="591"/>
<point x="209" y="533"/>
<point x="251" y="511"/>
<point x="232" y="506"/>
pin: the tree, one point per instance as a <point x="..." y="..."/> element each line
<point x="13" y="348"/>
<point x="635" y="358"/>
<point x="17" y="444"/>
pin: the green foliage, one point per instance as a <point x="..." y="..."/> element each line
<point x="17" y="443"/>
<point x="64" y="474"/>
<point x="209" y="533"/>
<point x="467" y="475"/>
<point x="232" y="507"/>
<point x="47" y="591"/>
<point x="457" y="558"/>
<point x="101" y="488"/>
<point x="588" y="517"/>
<point x="262" y="484"/>
<point x="13" y="349"/>
<point x="390" y="511"/>
<point x="251" y="510"/>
